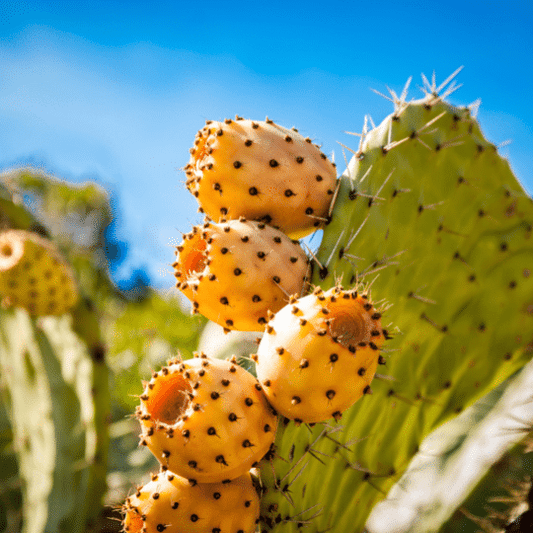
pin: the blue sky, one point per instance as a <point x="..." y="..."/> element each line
<point x="115" y="91"/>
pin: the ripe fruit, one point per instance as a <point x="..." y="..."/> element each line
<point x="319" y="354"/>
<point x="206" y="419"/>
<point x="172" y="504"/>
<point x="237" y="271"/>
<point x="33" y="274"/>
<point x="262" y="171"/>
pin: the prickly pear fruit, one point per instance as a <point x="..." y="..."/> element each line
<point x="173" y="504"/>
<point x="206" y="419"/>
<point x="33" y="274"/>
<point x="237" y="271"/>
<point x="262" y="171"/>
<point x="319" y="354"/>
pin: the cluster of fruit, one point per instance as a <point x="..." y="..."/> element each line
<point x="208" y="421"/>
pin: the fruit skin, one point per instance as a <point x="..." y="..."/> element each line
<point x="206" y="419"/>
<point x="262" y="171"/>
<point x="34" y="275"/>
<point x="237" y="271"/>
<point x="319" y="354"/>
<point x="173" y="504"/>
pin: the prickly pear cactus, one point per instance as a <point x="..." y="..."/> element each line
<point x="433" y="219"/>
<point x="57" y="399"/>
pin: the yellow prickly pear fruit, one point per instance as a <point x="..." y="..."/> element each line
<point x="262" y="171"/>
<point x="319" y="354"/>
<point x="237" y="271"/>
<point x="173" y="504"/>
<point x="34" y="275"/>
<point x="206" y="419"/>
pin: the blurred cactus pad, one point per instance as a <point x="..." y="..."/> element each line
<point x="68" y="451"/>
<point x="432" y="219"/>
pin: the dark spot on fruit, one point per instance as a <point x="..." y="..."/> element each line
<point x="237" y="271"/>
<point x="253" y="191"/>
<point x="273" y="163"/>
<point x="232" y="417"/>
<point x="299" y="159"/>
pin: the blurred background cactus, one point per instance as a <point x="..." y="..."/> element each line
<point x="431" y="218"/>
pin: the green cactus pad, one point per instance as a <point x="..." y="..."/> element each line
<point x="434" y="220"/>
<point x="58" y="404"/>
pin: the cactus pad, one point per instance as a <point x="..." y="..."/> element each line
<point x="432" y="217"/>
